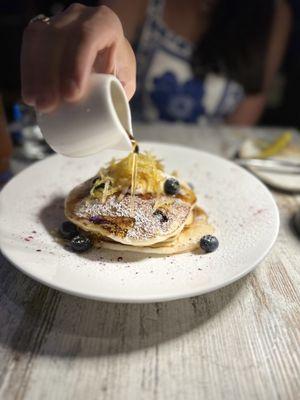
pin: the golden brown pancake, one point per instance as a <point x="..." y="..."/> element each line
<point x="187" y="240"/>
<point x="128" y="207"/>
<point x="131" y="221"/>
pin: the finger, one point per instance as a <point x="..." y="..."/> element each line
<point x="47" y="77"/>
<point x="106" y="61"/>
<point x="126" y="68"/>
<point x="98" y="33"/>
<point x="69" y="15"/>
<point x="127" y="78"/>
<point x="119" y="60"/>
<point x="40" y="59"/>
<point x="29" y="61"/>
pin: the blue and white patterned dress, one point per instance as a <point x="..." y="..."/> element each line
<point x="166" y="87"/>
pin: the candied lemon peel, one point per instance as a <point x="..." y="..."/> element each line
<point x="277" y="146"/>
<point x="116" y="177"/>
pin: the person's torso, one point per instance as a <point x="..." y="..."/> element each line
<point x="166" y="87"/>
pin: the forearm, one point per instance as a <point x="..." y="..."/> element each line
<point x="248" y="112"/>
<point x="251" y="109"/>
<point x="58" y="58"/>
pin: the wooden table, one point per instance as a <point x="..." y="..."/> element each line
<point x="240" y="342"/>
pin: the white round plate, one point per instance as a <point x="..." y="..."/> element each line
<point x="241" y="208"/>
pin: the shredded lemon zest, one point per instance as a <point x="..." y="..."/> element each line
<point x="117" y="176"/>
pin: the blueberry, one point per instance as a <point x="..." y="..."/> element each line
<point x="98" y="219"/>
<point x="68" y="230"/>
<point x="160" y="215"/>
<point x="209" y="243"/>
<point x="171" y="186"/>
<point x="80" y="243"/>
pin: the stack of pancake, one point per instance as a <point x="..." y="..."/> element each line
<point x="143" y="218"/>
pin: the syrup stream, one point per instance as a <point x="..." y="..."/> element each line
<point x="135" y="151"/>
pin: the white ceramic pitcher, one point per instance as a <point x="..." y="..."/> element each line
<point x="101" y="120"/>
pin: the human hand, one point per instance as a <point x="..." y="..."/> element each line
<point x="58" y="58"/>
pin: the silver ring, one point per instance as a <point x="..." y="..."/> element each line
<point x="40" y="18"/>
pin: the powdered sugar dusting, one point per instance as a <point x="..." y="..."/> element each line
<point x="147" y="224"/>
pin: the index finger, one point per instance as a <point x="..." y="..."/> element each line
<point x="97" y="33"/>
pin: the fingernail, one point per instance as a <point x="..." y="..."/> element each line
<point x="46" y="102"/>
<point x="70" y="88"/>
<point x="29" y="99"/>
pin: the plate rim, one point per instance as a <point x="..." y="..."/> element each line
<point x="150" y="298"/>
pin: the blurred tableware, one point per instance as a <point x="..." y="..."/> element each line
<point x="282" y="171"/>
<point x="5" y="147"/>
<point x="266" y="148"/>
<point x="271" y="165"/>
<point x="28" y="141"/>
<point x="101" y="120"/>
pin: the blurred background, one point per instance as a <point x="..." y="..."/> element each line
<point x="282" y="106"/>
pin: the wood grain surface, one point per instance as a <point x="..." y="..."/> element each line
<point x="240" y="342"/>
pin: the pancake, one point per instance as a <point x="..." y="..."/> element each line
<point x="185" y="241"/>
<point x="133" y="205"/>
<point x="141" y="220"/>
